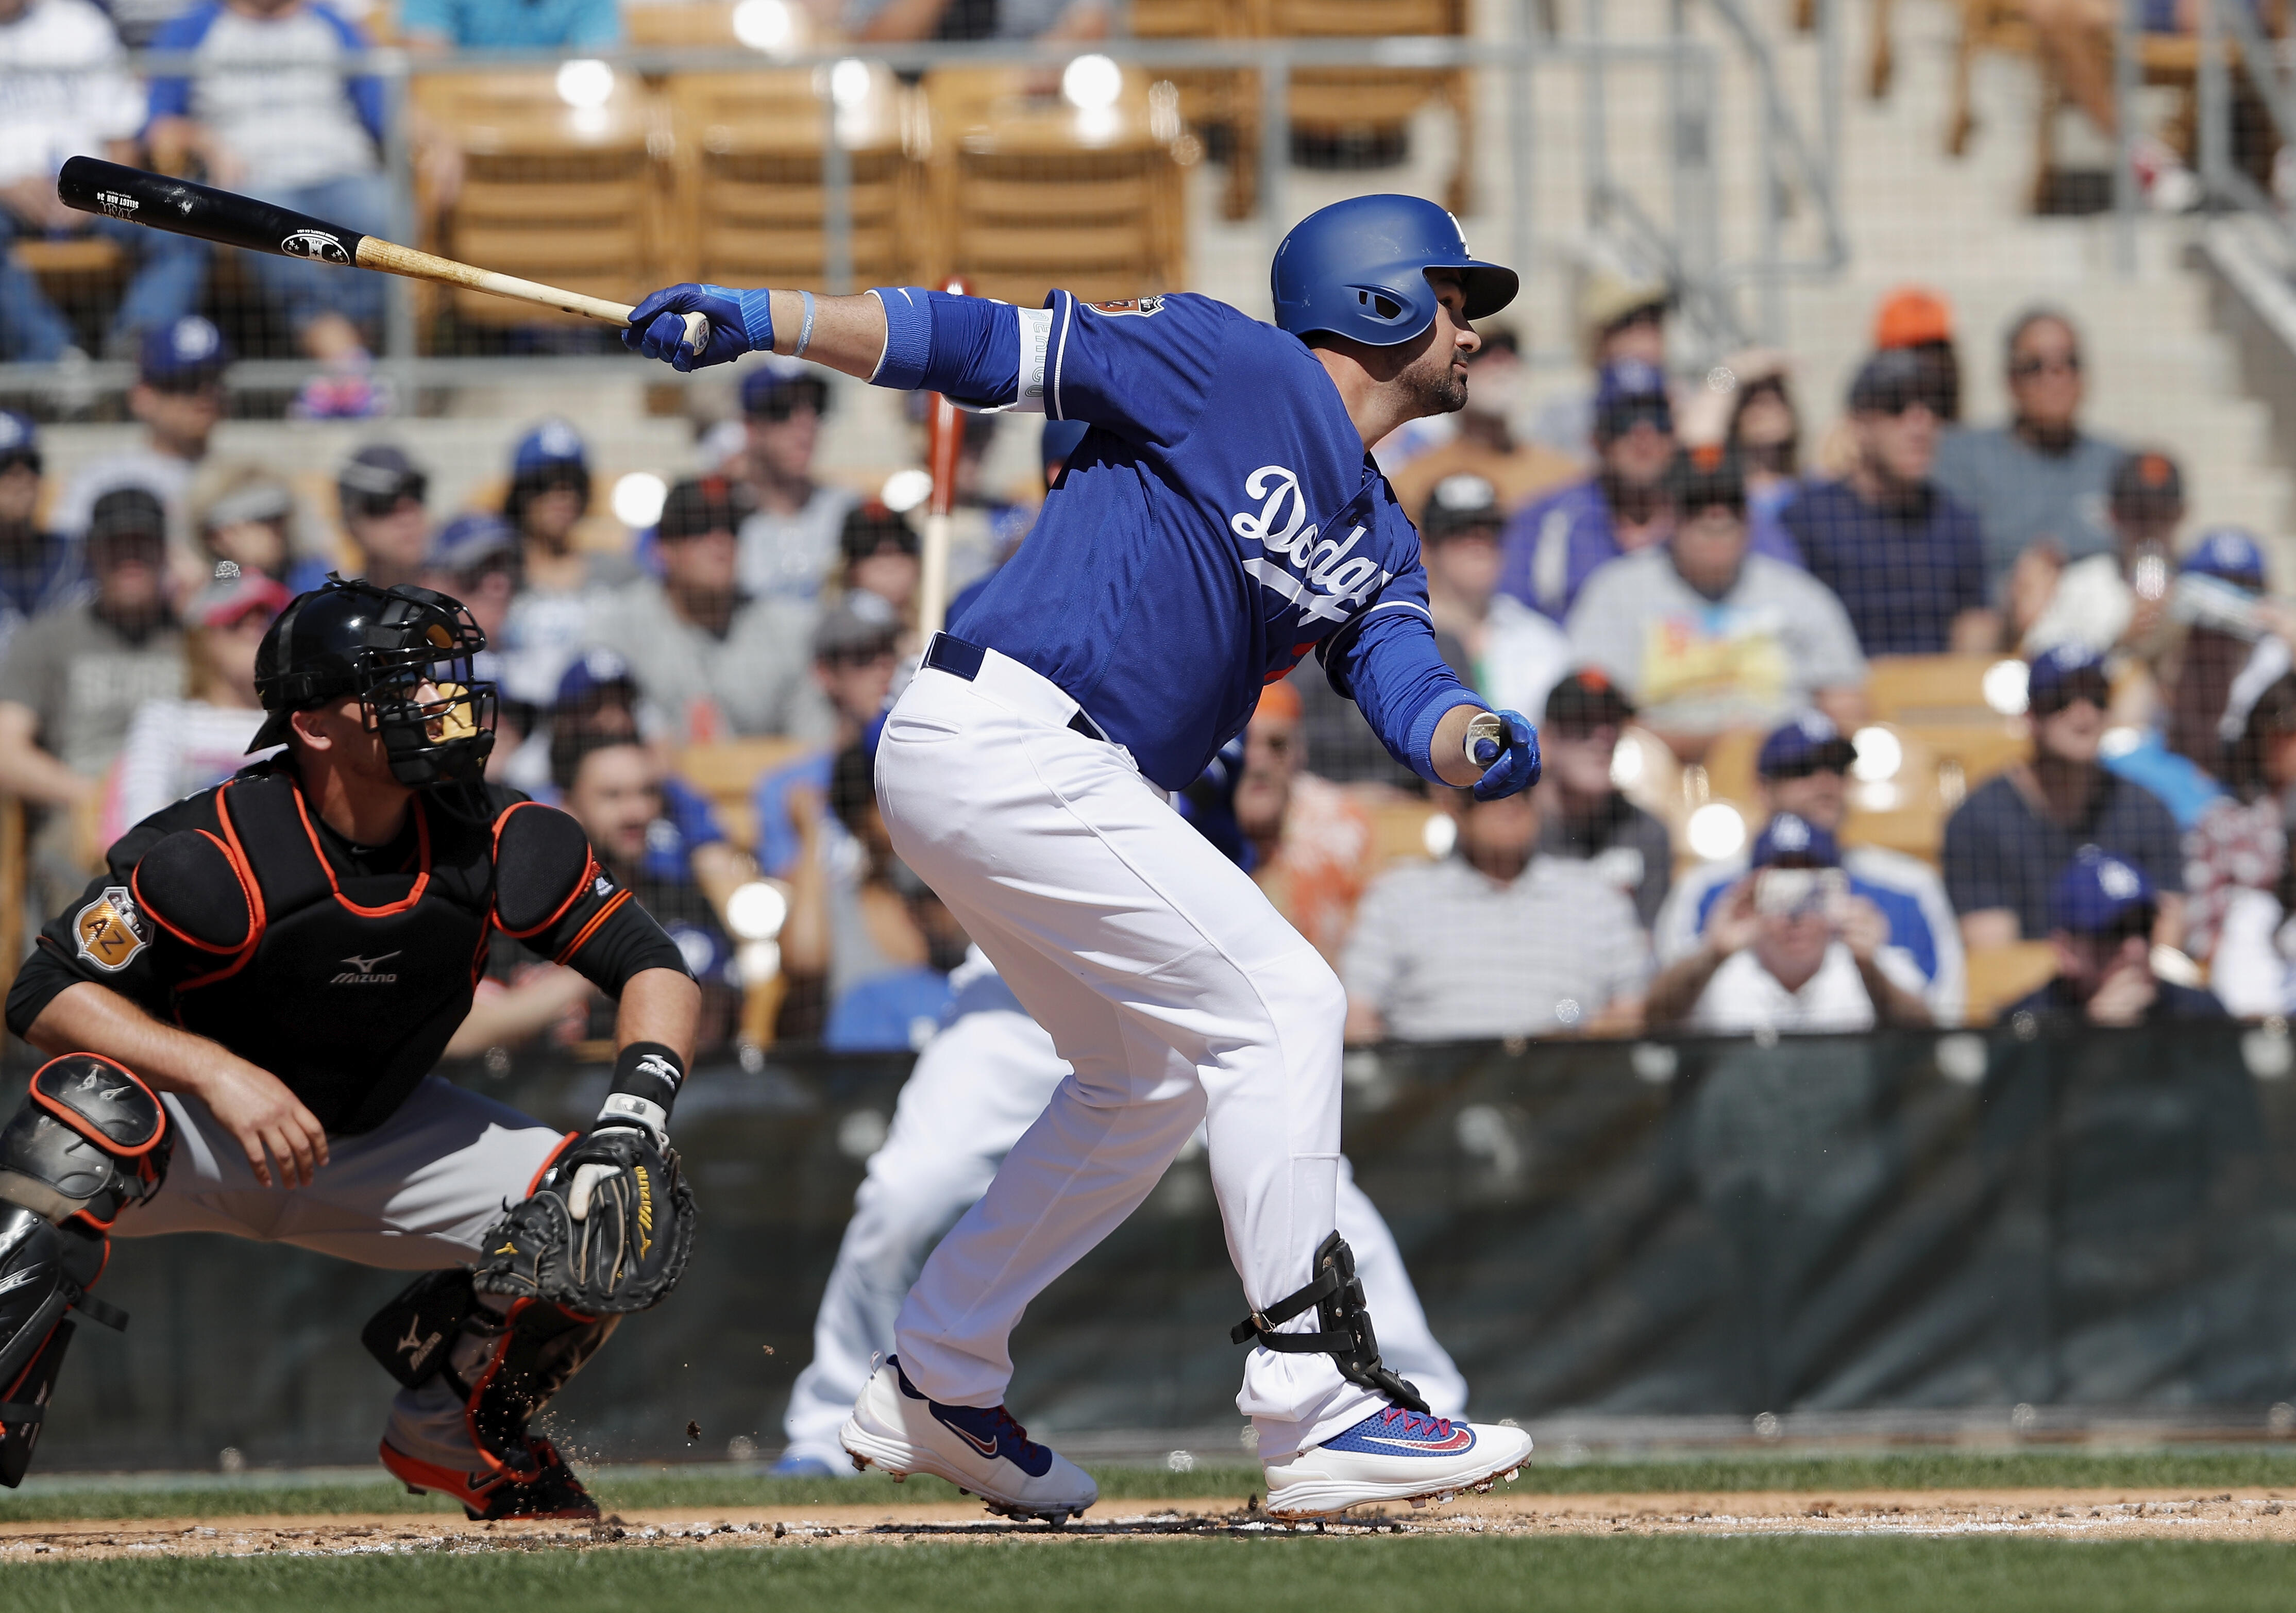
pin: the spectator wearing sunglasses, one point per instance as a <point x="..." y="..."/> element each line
<point x="178" y="398"/>
<point x="2040" y="479"/>
<point x="379" y="493"/>
<point x="1555" y="545"/>
<point x="1586" y="819"/>
<point x="1904" y="557"/>
<point x="2008" y="843"/>
<point x="2104" y="912"/>
<point x="789" y="539"/>
<point x="1803" y="769"/>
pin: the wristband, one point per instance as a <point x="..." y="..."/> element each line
<point x="908" y="337"/>
<point x="647" y="1076"/>
<point x="804" y="331"/>
<point x="757" y="317"/>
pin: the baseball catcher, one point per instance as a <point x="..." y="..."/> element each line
<point x="241" y="1012"/>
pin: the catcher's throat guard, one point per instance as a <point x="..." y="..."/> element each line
<point x="91" y="1141"/>
<point x="1346" y="1334"/>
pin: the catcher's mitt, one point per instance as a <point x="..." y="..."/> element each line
<point x="608" y="1229"/>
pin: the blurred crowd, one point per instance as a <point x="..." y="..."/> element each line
<point x="1649" y="556"/>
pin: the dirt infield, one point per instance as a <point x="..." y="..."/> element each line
<point x="2250" y="1515"/>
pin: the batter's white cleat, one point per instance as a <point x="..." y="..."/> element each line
<point x="1394" y="1455"/>
<point x="976" y="1448"/>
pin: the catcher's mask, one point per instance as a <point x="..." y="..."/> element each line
<point x="405" y="653"/>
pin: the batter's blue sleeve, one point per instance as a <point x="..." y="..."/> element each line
<point x="1388" y="664"/>
<point x="1144" y="369"/>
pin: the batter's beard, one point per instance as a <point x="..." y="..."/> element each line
<point x="1440" y="393"/>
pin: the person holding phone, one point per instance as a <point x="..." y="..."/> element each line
<point x="1791" y="948"/>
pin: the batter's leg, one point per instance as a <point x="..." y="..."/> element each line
<point x="1404" y="1338"/>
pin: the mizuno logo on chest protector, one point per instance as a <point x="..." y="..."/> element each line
<point x="1324" y="576"/>
<point x="362" y="972"/>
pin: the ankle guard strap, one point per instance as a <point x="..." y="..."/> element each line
<point x="1346" y="1336"/>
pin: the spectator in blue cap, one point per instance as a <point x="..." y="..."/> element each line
<point x="1555" y="544"/>
<point x="1906" y="559"/>
<point x="2104" y="912"/>
<point x="2219" y="602"/>
<point x="178" y="397"/>
<point x="2006" y="846"/>
<point x="40" y="571"/>
<point x="475" y="557"/>
<point x="1803" y="769"/>
<point x="789" y="539"/>
<point x="1791" y="947"/>
<point x="560" y="582"/>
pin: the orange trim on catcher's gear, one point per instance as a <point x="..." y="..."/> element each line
<point x="478" y="1499"/>
<point x="76" y="1121"/>
<point x="135" y="889"/>
<point x="589" y="871"/>
<point x="258" y="919"/>
<point x="421" y="856"/>
<point x="591" y="928"/>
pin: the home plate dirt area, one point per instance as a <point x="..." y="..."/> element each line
<point x="2228" y="1515"/>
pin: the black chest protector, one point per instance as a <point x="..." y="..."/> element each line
<point x="352" y="986"/>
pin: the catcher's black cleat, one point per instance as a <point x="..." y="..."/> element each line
<point x="550" y="1491"/>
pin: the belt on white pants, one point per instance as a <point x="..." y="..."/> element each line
<point x="1016" y="687"/>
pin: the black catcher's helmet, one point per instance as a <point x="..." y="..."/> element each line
<point x="383" y="645"/>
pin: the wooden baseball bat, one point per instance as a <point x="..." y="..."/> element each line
<point x="945" y="434"/>
<point x="93" y="186"/>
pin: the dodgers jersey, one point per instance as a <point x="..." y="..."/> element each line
<point x="1219" y="521"/>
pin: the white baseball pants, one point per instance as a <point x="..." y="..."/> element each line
<point x="975" y="1089"/>
<point x="1129" y="939"/>
<point x="415" y="1194"/>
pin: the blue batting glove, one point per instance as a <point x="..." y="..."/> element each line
<point x="657" y="326"/>
<point x="1512" y="763"/>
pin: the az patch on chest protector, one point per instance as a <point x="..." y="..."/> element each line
<point x="110" y="931"/>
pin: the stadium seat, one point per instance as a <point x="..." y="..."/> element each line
<point x="1029" y="193"/>
<point x="1398" y="830"/>
<point x="1212" y="99"/>
<point x="1348" y="104"/>
<point x="1928" y="688"/>
<point x="566" y="195"/>
<point x="752" y="200"/>
<point x="728" y="771"/>
<point x="1986" y="25"/>
<point x="2000" y="976"/>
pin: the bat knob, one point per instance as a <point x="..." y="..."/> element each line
<point x="1484" y="732"/>
<point x="697" y="333"/>
<point x="1486" y="752"/>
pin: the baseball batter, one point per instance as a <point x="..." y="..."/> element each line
<point x="244" y="1008"/>
<point x="1221" y="521"/>
<point x="988" y="1073"/>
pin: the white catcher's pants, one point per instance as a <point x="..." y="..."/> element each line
<point x="975" y="1090"/>
<point x="1129" y="939"/>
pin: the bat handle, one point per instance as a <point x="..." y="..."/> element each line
<point x="1483" y="731"/>
<point x="697" y="333"/>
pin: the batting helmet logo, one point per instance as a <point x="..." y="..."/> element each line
<point x="315" y="244"/>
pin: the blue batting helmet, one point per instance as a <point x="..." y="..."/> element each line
<point x="1358" y="269"/>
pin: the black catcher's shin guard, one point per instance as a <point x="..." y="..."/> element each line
<point x="90" y="1140"/>
<point x="1346" y="1333"/>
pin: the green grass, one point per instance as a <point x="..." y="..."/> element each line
<point x="69" y="1496"/>
<point x="1265" y="1576"/>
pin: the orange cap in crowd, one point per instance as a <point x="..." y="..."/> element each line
<point x="1909" y="317"/>
<point x="1280" y="701"/>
